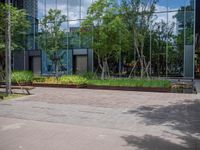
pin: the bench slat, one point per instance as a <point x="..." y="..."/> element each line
<point x="27" y="88"/>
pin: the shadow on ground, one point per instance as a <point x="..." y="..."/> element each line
<point x="184" y="117"/>
<point x="149" y="142"/>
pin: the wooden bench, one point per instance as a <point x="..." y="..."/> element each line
<point x="26" y="88"/>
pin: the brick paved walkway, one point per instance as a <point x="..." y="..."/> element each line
<point x="106" y="98"/>
<point x="151" y="119"/>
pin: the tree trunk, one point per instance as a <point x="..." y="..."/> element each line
<point x="133" y="68"/>
<point x="56" y="68"/>
<point x="8" y="52"/>
<point x="103" y="71"/>
<point x="107" y="69"/>
<point x="141" y="68"/>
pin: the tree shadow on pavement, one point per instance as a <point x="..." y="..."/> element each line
<point x="184" y="117"/>
<point x="149" y="142"/>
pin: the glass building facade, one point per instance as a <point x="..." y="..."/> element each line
<point x="78" y="55"/>
<point x="177" y="56"/>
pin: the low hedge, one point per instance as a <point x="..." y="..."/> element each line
<point x="80" y="80"/>
<point x="22" y="77"/>
<point x="149" y="83"/>
<point x="76" y="80"/>
<point x="66" y="79"/>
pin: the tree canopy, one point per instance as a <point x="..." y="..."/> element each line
<point x="52" y="36"/>
<point x="19" y="26"/>
<point x="110" y="35"/>
<point x="19" y="30"/>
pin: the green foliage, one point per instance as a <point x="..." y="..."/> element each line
<point x="22" y="76"/>
<point x="19" y="26"/>
<point x="75" y="80"/>
<point x="51" y="80"/>
<point x="52" y="37"/>
<point x="137" y="15"/>
<point x="68" y="80"/>
<point x="47" y="80"/>
<point x="39" y="79"/>
<point x="89" y="80"/>
<point x="109" y="32"/>
<point x="90" y="75"/>
<point x="110" y="35"/>
<point x="132" y="83"/>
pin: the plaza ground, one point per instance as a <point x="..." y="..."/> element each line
<point x="82" y="119"/>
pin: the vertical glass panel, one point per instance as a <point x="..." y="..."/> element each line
<point x="74" y="34"/>
<point x="176" y="4"/>
<point x="41" y="8"/>
<point x="190" y="3"/>
<point x="62" y="5"/>
<point x="176" y="44"/>
<point x="85" y="37"/>
<point x="74" y="9"/>
<point x="161" y="6"/>
<point x="41" y="12"/>
<point x="50" y="5"/>
<point x="159" y="43"/>
<point x="189" y="27"/>
<point x="84" y="7"/>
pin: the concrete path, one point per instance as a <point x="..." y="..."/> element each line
<point x="197" y="85"/>
<point x="76" y="119"/>
<point x="19" y="134"/>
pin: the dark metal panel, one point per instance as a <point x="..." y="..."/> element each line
<point x="188" y="61"/>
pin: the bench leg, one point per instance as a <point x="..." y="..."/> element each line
<point x="28" y="92"/>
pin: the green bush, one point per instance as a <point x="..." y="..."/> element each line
<point x="22" y="76"/>
<point x="132" y="83"/>
<point x="39" y="79"/>
<point x="51" y="80"/>
<point x="76" y="80"/>
<point x="90" y="75"/>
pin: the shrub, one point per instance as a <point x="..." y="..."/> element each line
<point x="90" y="75"/>
<point x="22" y="76"/>
<point x="76" y="80"/>
<point x="39" y="79"/>
<point x="132" y="83"/>
<point x="52" y="80"/>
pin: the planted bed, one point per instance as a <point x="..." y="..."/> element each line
<point x="75" y="81"/>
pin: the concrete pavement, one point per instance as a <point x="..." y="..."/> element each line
<point x="17" y="134"/>
<point x="98" y="119"/>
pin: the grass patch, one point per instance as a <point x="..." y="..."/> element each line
<point x="76" y="80"/>
<point x="65" y="80"/>
<point x="22" y="76"/>
<point x="126" y="82"/>
<point x="4" y="96"/>
<point x="132" y="83"/>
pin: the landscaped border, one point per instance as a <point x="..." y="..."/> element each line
<point x="100" y="87"/>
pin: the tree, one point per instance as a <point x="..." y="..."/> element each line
<point x="137" y="15"/>
<point x="110" y="35"/>
<point x="162" y="46"/>
<point x="19" y="28"/>
<point x="13" y="23"/>
<point x="52" y="36"/>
